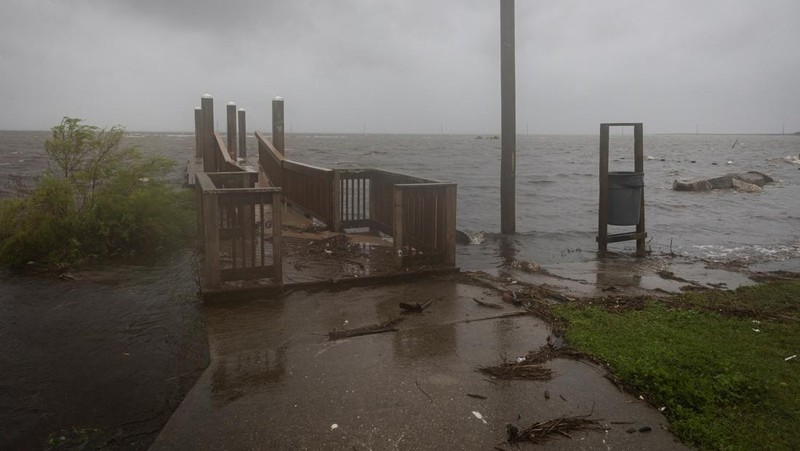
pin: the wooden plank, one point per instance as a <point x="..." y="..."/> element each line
<point x="198" y="132"/>
<point x="336" y="206"/>
<point x="211" y="232"/>
<point x="397" y="227"/>
<point x="627" y="236"/>
<point x="277" y="243"/>
<point x="450" y="202"/>
<point x="305" y="169"/>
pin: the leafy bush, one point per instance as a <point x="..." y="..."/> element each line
<point x="98" y="199"/>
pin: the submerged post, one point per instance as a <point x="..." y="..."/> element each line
<point x="231" y="109"/>
<point x="508" y="113"/>
<point x="242" y="134"/>
<point x="277" y="125"/>
<point x="198" y="132"/>
<point x="209" y="160"/>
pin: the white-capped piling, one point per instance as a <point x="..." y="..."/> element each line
<point x="277" y="125"/>
<point x="242" y="134"/>
<point x="198" y="132"/>
<point x="231" y="132"/>
<point x="207" y="106"/>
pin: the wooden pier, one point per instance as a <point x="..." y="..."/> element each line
<point x="263" y="221"/>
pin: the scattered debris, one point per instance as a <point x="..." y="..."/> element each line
<point x="476" y="396"/>
<point x="645" y="429"/>
<point x="334" y="426"/>
<point x="511" y="298"/>
<point x="791" y="357"/>
<point x="546" y="394"/>
<point x="416" y="307"/>
<point x="487" y="304"/>
<point x="387" y="326"/>
<point x="514" y="370"/>
<point x="479" y="416"/>
<point x="545" y="430"/>
<point x="530" y="267"/>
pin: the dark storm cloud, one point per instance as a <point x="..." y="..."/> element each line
<point x="411" y="66"/>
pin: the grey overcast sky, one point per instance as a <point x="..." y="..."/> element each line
<point x="410" y="66"/>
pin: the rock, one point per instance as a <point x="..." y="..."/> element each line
<point x="753" y="177"/>
<point x="462" y="238"/>
<point x="746" y="182"/>
<point x="697" y="185"/>
<point x="724" y="182"/>
<point x="746" y="187"/>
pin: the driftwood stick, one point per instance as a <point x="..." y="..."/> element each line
<point x="387" y="326"/>
<point x="487" y="304"/>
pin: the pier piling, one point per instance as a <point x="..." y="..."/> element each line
<point x="231" y="133"/>
<point x="277" y="125"/>
<point x="242" y="134"/>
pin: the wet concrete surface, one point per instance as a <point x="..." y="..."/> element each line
<point x="653" y="276"/>
<point x="276" y="382"/>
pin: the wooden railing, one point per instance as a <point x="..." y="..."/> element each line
<point x="419" y="214"/>
<point x="270" y="159"/>
<point x="310" y="189"/>
<point x="241" y="228"/>
<point x="424" y="224"/>
<point x="219" y="160"/>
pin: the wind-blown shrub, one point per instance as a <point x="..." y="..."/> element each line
<point x="98" y="199"/>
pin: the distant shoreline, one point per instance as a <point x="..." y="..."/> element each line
<point x="191" y="132"/>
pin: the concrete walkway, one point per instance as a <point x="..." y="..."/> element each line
<point x="276" y="382"/>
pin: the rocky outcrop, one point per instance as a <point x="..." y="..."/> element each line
<point x="750" y="182"/>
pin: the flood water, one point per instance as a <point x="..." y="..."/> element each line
<point x="116" y="349"/>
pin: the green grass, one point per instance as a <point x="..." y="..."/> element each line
<point x="723" y="384"/>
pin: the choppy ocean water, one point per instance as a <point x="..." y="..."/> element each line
<point x="557" y="188"/>
<point x="122" y="315"/>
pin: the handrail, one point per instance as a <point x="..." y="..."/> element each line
<point x="310" y="189"/>
<point x="221" y="152"/>
<point x="270" y="160"/>
<point x="419" y="213"/>
<point x="233" y="223"/>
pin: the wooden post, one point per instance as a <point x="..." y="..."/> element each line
<point x="397" y="227"/>
<point x="242" y="134"/>
<point x="211" y="233"/>
<point x="508" y="157"/>
<point x="198" y="132"/>
<point x="450" y="223"/>
<point x="602" y="217"/>
<point x="277" y="246"/>
<point x="603" y="238"/>
<point x="231" y="133"/>
<point x="209" y="160"/>
<point x="638" y="158"/>
<point x="337" y="202"/>
<point x="277" y="125"/>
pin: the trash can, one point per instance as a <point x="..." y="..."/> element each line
<point x="624" y="197"/>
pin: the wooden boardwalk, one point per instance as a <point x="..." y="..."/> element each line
<point x="270" y="224"/>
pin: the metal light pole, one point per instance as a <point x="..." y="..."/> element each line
<point x="508" y="159"/>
